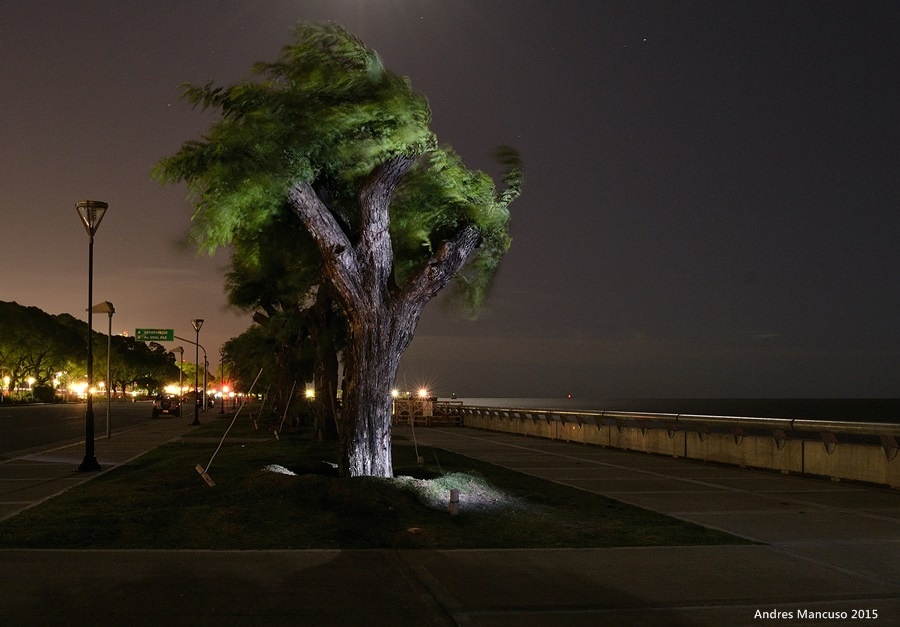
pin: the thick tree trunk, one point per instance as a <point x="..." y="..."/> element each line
<point x="365" y="437"/>
<point x="382" y="316"/>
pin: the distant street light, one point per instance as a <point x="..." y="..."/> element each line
<point x="180" y="351"/>
<point x="91" y="213"/>
<point x="205" y="379"/>
<point x="107" y="308"/>
<point x="222" y="379"/>
<point x="197" y="323"/>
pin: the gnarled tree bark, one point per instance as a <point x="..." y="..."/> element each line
<point x="381" y="316"/>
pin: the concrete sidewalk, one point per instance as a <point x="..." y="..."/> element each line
<point x="849" y="526"/>
<point x="31" y="476"/>
<point x="829" y="547"/>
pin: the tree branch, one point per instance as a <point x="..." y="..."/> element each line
<point x="449" y="259"/>
<point x="340" y="262"/>
<point x="375" y="198"/>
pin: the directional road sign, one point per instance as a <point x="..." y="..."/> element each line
<point x="154" y="335"/>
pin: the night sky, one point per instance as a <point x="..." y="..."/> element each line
<point x="711" y="201"/>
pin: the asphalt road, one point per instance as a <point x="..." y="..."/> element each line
<point x="27" y="426"/>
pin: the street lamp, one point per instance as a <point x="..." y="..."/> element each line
<point x="196" y="323"/>
<point x="91" y="213"/>
<point x="222" y="378"/>
<point x="205" y="379"/>
<point x="180" y="351"/>
<point x="107" y="308"/>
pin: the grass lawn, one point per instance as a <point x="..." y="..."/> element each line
<point x="159" y="501"/>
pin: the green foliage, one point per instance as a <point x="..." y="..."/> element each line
<point x="328" y="113"/>
<point x="327" y="120"/>
<point x="275" y="268"/>
<point x="36" y="344"/>
<point x="138" y="363"/>
<point x="440" y="197"/>
<point x="275" y="348"/>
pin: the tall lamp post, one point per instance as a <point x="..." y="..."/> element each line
<point x="196" y="323"/>
<point x="107" y="308"/>
<point x="91" y="213"/>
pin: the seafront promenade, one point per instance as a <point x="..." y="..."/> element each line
<point x="855" y="450"/>
<point x="828" y="553"/>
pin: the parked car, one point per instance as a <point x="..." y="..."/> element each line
<point x="166" y="404"/>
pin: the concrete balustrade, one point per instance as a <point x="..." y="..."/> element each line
<point x="858" y="451"/>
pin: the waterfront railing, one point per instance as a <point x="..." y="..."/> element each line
<point x="863" y="451"/>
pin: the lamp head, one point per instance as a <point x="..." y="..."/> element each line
<point x="91" y="213"/>
<point x="104" y="307"/>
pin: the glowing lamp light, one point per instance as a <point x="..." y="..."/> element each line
<point x="310" y="393"/>
<point x="395" y="393"/>
<point x="423" y="393"/>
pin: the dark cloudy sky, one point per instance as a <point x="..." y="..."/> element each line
<point x="711" y="206"/>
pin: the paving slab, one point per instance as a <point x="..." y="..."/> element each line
<point x="803" y="516"/>
<point x="687" y="585"/>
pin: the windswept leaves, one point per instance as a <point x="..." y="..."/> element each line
<point x="327" y="112"/>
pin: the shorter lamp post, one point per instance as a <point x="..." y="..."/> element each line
<point x="180" y="351"/>
<point x="205" y="379"/>
<point x="196" y="323"/>
<point x="222" y="379"/>
<point x="107" y="308"/>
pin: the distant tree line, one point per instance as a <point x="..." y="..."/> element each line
<point x="38" y="346"/>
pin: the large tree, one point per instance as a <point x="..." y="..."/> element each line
<point x="345" y="144"/>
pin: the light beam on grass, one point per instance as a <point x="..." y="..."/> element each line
<point x="475" y="492"/>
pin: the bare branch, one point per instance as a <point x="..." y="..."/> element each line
<point x="449" y="259"/>
<point x="340" y="262"/>
<point x="374" y="202"/>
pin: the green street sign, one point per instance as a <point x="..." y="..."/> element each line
<point x="154" y="335"/>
